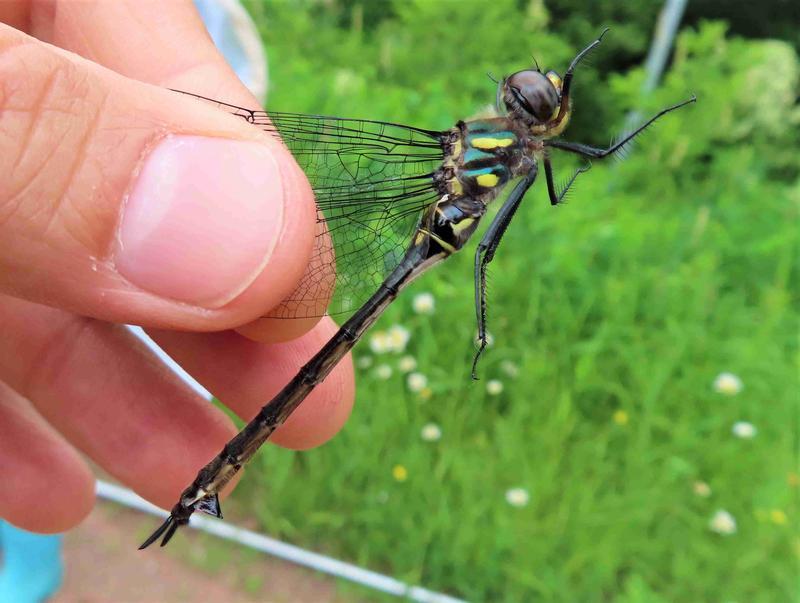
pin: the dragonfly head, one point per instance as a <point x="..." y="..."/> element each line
<point x="533" y="97"/>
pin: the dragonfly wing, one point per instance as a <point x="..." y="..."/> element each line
<point x="372" y="180"/>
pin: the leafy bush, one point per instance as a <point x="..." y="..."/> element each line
<point x="611" y="316"/>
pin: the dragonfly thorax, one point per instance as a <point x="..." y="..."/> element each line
<point x="486" y="155"/>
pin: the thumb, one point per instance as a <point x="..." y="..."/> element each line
<point x="130" y="203"/>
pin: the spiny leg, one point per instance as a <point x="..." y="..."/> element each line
<point x="596" y="153"/>
<point x="485" y="252"/>
<point x="566" y="81"/>
<point x="557" y="197"/>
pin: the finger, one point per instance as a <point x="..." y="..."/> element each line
<point x="163" y="43"/>
<point x="200" y="221"/>
<point x="167" y="44"/>
<point x="104" y="391"/>
<point x="47" y="487"/>
<point x="15" y="13"/>
<point x="245" y="375"/>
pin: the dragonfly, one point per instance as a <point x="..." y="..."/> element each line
<point x="392" y="202"/>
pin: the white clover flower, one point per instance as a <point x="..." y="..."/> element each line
<point x="424" y="303"/>
<point x="416" y="382"/>
<point x="364" y="362"/>
<point x="728" y="384"/>
<point x="383" y="371"/>
<point x="494" y="387"/>
<point x="701" y="489"/>
<point x="744" y="430"/>
<point x="509" y="368"/>
<point x="431" y="432"/>
<point x="346" y="81"/>
<point x="517" y="497"/>
<point x="398" y="338"/>
<point x="722" y="522"/>
<point x="407" y="364"/>
<point x="379" y="342"/>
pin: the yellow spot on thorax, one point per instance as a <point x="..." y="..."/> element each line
<point x="491" y="143"/>
<point x="487" y="180"/>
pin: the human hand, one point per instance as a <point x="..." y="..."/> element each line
<point x="123" y="202"/>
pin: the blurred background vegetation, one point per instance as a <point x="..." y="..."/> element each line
<point x="596" y="464"/>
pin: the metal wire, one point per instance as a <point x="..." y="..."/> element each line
<point x="669" y="21"/>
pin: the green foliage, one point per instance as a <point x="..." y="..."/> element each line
<point x="765" y="19"/>
<point x="618" y="309"/>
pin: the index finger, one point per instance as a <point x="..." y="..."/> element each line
<point x="162" y="43"/>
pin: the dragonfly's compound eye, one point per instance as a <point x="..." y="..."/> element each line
<point x="533" y="93"/>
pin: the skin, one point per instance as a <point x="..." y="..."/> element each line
<point x="74" y="385"/>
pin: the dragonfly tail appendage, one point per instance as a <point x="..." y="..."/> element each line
<point x="180" y="517"/>
<point x="169" y="526"/>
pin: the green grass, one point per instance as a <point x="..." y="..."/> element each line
<point x="619" y="310"/>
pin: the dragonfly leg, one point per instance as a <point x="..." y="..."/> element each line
<point x="485" y="253"/>
<point x="566" y="83"/>
<point x="586" y="150"/>
<point x="558" y="197"/>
